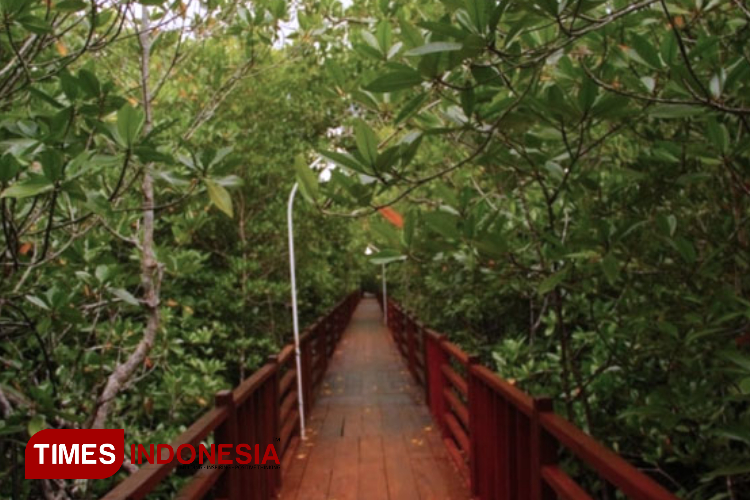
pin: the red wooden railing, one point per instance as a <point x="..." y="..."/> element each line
<point x="505" y="443"/>
<point x="262" y="409"/>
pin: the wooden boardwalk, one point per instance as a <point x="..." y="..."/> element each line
<point x="370" y="434"/>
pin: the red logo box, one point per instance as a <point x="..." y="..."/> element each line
<point x="75" y="453"/>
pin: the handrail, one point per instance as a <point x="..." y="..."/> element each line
<point x="262" y="410"/>
<point x="505" y="442"/>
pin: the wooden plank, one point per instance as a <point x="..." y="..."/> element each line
<point x="372" y="421"/>
<point x="401" y="482"/>
<point x="391" y="420"/>
<point x="352" y="423"/>
<point x="316" y="479"/>
<point x="333" y="424"/>
<point x="429" y="474"/>
<point x="417" y="446"/>
<point x="372" y="480"/>
<point x="299" y="453"/>
<point x="345" y="475"/>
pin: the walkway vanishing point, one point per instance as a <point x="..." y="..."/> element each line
<point x="371" y="434"/>
<point x="393" y="413"/>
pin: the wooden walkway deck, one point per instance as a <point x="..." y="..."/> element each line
<point x="370" y="435"/>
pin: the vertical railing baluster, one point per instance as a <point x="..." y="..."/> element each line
<point x="494" y="466"/>
<point x="244" y="417"/>
<point x="523" y="457"/>
<point x="272" y="424"/>
<point x="512" y="437"/>
<point x="543" y="451"/>
<point x="477" y="409"/>
<point x="256" y="414"/>
<point x="436" y="358"/>
<point x="503" y="449"/>
<point x="226" y="433"/>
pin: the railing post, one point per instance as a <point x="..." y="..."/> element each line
<point x="543" y="451"/>
<point x="272" y="424"/>
<point x="245" y="434"/>
<point x="436" y="358"/>
<point x="230" y="488"/>
<point x="476" y="425"/>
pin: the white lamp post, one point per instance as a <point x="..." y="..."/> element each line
<point x="295" y="318"/>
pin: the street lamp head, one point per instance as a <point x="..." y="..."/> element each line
<point x="325" y="170"/>
<point x="325" y="175"/>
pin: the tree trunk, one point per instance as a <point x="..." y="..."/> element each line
<point x="150" y="272"/>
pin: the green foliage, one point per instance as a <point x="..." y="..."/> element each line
<point x="306" y="178"/>
<point x="575" y="208"/>
<point x="76" y="144"/>
<point x="129" y="125"/>
<point x="220" y="197"/>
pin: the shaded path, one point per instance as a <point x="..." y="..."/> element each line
<point x="370" y="434"/>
